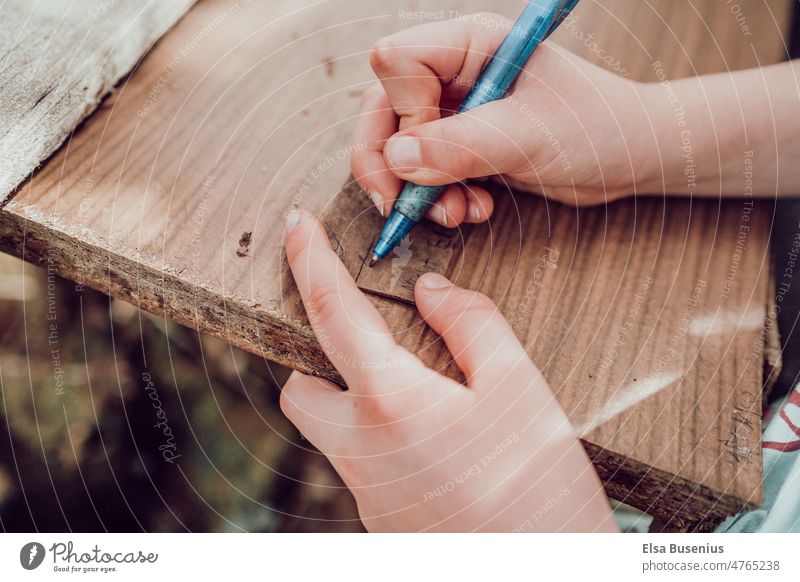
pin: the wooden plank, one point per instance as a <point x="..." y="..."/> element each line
<point x="59" y="60"/>
<point x="176" y="204"/>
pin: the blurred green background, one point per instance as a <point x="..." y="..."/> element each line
<point x="97" y="397"/>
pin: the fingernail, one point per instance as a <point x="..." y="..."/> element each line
<point x="474" y="212"/>
<point x="435" y="281"/>
<point x="440" y="214"/>
<point x="377" y="200"/>
<point x="404" y="152"/>
<point x="293" y="219"/>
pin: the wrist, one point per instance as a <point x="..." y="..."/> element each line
<point x="693" y="126"/>
<point x="652" y="141"/>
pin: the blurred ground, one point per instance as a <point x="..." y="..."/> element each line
<point x="114" y="419"/>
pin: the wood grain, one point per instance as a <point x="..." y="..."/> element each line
<point x="176" y="203"/>
<point x="59" y="60"/>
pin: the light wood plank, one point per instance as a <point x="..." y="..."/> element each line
<point x="59" y="60"/>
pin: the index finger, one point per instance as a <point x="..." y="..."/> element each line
<point x="350" y="330"/>
<point x="415" y="63"/>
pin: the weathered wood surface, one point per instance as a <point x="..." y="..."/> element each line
<point x="59" y="59"/>
<point x="176" y="204"/>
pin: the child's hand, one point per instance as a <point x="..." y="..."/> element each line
<point x="568" y="130"/>
<point x="420" y="451"/>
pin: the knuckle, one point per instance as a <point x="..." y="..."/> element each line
<point x="475" y="301"/>
<point x="375" y="408"/>
<point x="383" y="52"/>
<point x="387" y="409"/>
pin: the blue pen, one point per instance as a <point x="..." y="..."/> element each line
<point x="535" y="24"/>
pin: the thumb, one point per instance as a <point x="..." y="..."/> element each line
<point x="481" y="142"/>
<point x="476" y="333"/>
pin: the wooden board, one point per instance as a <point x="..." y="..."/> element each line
<point x="179" y="210"/>
<point x="59" y="60"/>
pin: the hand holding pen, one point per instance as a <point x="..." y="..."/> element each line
<point x="542" y="137"/>
<point x="537" y="21"/>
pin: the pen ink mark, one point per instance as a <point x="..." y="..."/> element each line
<point x="364" y="260"/>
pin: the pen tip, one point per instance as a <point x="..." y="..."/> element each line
<point x="373" y="260"/>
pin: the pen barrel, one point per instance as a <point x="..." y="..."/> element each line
<point x="535" y="23"/>
<point x="415" y="200"/>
